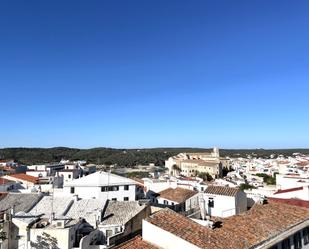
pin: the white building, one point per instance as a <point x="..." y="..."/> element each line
<point x="189" y="164"/>
<point x="103" y="185"/>
<point x="286" y="181"/>
<point x="69" y="174"/>
<point x="223" y="201"/>
<point x="300" y="193"/>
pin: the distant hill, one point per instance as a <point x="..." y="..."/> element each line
<point x="125" y="157"/>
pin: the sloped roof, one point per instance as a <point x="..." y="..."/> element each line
<point x="87" y="209"/>
<point x="295" y="202"/>
<point x="21" y="202"/>
<point x="219" y="190"/>
<point x="25" y="177"/>
<point x="49" y="204"/>
<point x="177" y="194"/>
<point x="242" y="231"/>
<point x="120" y="212"/>
<point x="100" y="178"/>
<point x="136" y="243"/>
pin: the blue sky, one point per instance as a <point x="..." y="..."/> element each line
<point x="233" y="74"/>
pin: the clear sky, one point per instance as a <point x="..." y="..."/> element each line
<point x="233" y="74"/>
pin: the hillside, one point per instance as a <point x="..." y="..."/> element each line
<point x="125" y="157"/>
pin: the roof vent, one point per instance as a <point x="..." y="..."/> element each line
<point x="209" y="223"/>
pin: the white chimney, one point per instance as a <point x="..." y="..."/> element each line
<point x="202" y="207"/>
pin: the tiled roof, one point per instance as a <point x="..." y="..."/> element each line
<point x="219" y="190"/>
<point x="25" y="177"/>
<point x="295" y="202"/>
<point x="177" y="194"/>
<point x="136" y="243"/>
<point x="88" y="209"/>
<point x="288" y="190"/>
<point x="20" y="202"/>
<point x="242" y="231"/>
<point x="120" y="212"/>
<point x="49" y="204"/>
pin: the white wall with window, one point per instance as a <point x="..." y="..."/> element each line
<point x="102" y="185"/>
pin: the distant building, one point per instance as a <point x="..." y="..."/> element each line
<point x="190" y="164"/>
<point x="25" y="181"/>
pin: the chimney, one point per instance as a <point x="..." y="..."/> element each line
<point x="52" y="217"/>
<point x="13" y="211"/>
<point x="209" y="223"/>
<point x="75" y="197"/>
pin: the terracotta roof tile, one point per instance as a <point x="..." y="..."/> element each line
<point x="25" y="177"/>
<point x="237" y="232"/>
<point x="177" y="194"/>
<point x="295" y="202"/>
<point x="136" y="243"/>
<point x="219" y="190"/>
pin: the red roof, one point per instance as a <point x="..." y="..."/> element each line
<point x="302" y="163"/>
<point x="25" y="177"/>
<point x="294" y="202"/>
<point x="136" y="243"/>
<point x="288" y="190"/>
<point x="188" y="179"/>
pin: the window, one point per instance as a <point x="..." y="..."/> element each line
<point x="173" y="203"/>
<point x="306" y="235"/>
<point x="109" y="233"/>
<point x="126" y="187"/>
<point x="211" y="202"/>
<point x="114" y="199"/>
<point x="297" y="241"/>
<point x="165" y="202"/>
<point x="286" y="244"/>
<point x="72" y="190"/>
<point x="109" y="188"/>
<point x="125" y="198"/>
<point x="114" y="188"/>
<point x="69" y="176"/>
